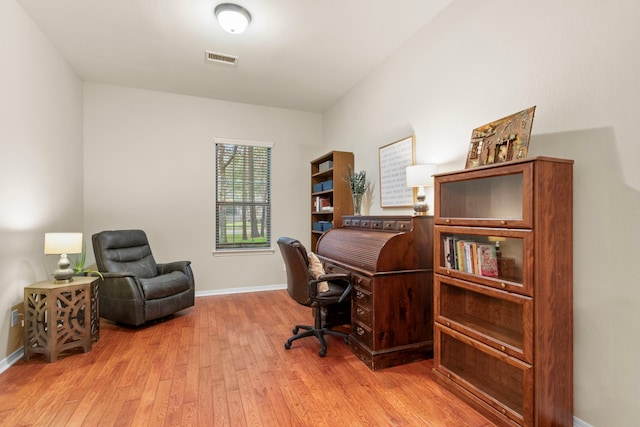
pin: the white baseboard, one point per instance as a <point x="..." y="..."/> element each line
<point x="11" y="359"/>
<point x="240" y="290"/>
<point x="577" y="422"/>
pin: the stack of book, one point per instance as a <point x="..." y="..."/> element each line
<point x="470" y="256"/>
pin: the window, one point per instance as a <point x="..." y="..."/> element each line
<point x="243" y="195"/>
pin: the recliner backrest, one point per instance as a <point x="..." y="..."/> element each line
<point x="124" y="251"/>
<point x="297" y="265"/>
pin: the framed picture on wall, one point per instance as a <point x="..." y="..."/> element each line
<point x="394" y="159"/>
<point x="501" y="141"/>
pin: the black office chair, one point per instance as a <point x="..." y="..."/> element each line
<point x="303" y="288"/>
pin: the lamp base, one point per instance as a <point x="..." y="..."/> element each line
<point x="63" y="276"/>
<point x="421" y="207"/>
<point x="420" y="210"/>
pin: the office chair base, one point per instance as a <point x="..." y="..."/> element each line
<point x="319" y="333"/>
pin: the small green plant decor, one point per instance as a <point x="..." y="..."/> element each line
<point x="78" y="265"/>
<point x="358" y="184"/>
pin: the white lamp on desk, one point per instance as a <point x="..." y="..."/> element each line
<point x="63" y="244"/>
<point x="420" y="176"/>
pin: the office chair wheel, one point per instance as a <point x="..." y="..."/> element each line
<point x="287" y="345"/>
<point x="323" y="352"/>
<point x="295" y="330"/>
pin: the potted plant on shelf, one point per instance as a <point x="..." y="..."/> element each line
<point x="78" y="265"/>
<point x="358" y="184"/>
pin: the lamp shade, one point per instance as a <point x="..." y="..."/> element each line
<point x="233" y="19"/>
<point x="62" y="243"/>
<point x="420" y="175"/>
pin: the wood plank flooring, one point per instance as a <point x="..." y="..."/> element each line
<point x="223" y="363"/>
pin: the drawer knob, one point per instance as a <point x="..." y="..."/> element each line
<point x="447" y="221"/>
<point x="502" y="285"/>
<point x="448" y="272"/>
<point x="503" y="222"/>
<point x="502" y="348"/>
<point x="359" y="295"/>
<point x="360" y="312"/>
<point x="504" y="411"/>
<point x="360" y="331"/>
<point x="448" y="323"/>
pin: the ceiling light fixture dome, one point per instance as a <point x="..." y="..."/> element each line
<point x="232" y="18"/>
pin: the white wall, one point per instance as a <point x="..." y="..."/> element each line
<point x="40" y="158"/>
<point x="578" y="62"/>
<point x="150" y="164"/>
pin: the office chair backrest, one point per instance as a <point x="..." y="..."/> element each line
<point x="124" y="251"/>
<point x="297" y="265"/>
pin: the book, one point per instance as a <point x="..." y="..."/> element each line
<point x="452" y="252"/>
<point x="447" y="252"/>
<point x="460" y="254"/>
<point x="322" y="204"/>
<point x="487" y="260"/>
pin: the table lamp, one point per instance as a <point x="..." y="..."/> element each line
<point x="420" y="176"/>
<point x="63" y="244"/>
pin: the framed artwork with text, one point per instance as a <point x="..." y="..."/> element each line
<point x="394" y="159"/>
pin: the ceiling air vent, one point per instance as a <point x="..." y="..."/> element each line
<point x="221" y="57"/>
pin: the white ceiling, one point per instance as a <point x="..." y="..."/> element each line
<point x="298" y="54"/>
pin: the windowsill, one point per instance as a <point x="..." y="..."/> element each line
<point x="235" y="252"/>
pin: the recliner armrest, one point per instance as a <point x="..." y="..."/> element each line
<point x="174" y="266"/>
<point x="182" y="266"/>
<point x="117" y="275"/>
<point x="121" y="286"/>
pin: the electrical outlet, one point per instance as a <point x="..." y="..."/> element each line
<point x="15" y="318"/>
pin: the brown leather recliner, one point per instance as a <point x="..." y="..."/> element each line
<point x="135" y="289"/>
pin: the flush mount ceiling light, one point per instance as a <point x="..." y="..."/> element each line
<point x="232" y="18"/>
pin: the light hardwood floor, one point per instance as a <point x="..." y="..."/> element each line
<point x="222" y="363"/>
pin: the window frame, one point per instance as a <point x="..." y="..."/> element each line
<point x="248" y="250"/>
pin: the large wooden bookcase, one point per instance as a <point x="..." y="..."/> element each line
<point x="504" y="343"/>
<point x="328" y="183"/>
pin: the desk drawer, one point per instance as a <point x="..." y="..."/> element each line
<point x="397" y="225"/>
<point x="362" y="298"/>
<point x="362" y="282"/>
<point x="362" y="333"/>
<point x="362" y="314"/>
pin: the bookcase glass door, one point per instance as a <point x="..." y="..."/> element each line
<point x="460" y="253"/>
<point x="496" y="318"/>
<point x="502" y="199"/>
<point x="511" y="384"/>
